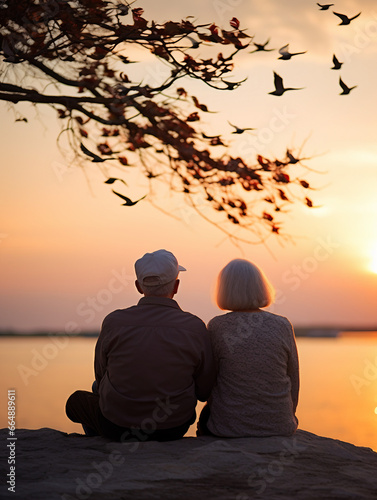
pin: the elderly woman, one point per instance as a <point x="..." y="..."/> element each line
<point x="257" y="386"/>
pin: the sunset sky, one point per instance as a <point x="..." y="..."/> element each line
<point x="67" y="246"/>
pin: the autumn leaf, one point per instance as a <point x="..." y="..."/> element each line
<point x="234" y="22"/>
<point x="137" y="13"/>
<point x="123" y="160"/>
<point x="282" y="195"/>
<point x="182" y="92"/>
<point x="99" y="53"/>
<point x="267" y="216"/>
<point x="233" y="219"/>
<point x="282" y="177"/>
<point x="265" y="164"/>
<point x="139" y="22"/>
<point x="193" y="117"/>
<point x="171" y="28"/>
<point x="214" y="29"/>
<point x="202" y="107"/>
<point x="216" y="141"/>
<point x="104" y="148"/>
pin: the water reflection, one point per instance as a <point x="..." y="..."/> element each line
<point x="338" y="396"/>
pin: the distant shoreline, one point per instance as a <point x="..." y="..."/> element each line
<point x="307" y="331"/>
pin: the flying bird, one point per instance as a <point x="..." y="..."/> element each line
<point x="291" y="158"/>
<point x="279" y="87"/>
<point x="111" y="180"/>
<point x="346" y="89"/>
<point x="210" y="136"/>
<point x="261" y="47"/>
<point x="95" y="158"/>
<point x="233" y="85"/>
<point x="151" y="175"/>
<point x="129" y="203"/>
<point x="286" y="55"/>
<point x="215" y="140"/>
<point x="345" y="19"/>
<point x="337" y="64"/>
<point x="239" y="130"/>
<point x="194" y="43"/>
<point x="325" y="6"/>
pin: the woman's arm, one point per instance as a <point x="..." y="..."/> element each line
<point x="293" y="370"/>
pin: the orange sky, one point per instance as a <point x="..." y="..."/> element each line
<point x="67" y="247"/>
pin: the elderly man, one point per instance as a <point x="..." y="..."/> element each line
<point x="153" y="361"/>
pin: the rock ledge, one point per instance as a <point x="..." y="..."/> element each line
<point x="55" y="465"/>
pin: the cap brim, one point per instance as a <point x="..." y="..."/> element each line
<point x="181" y="268"/>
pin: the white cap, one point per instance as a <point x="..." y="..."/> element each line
<point x="160" y="265"/>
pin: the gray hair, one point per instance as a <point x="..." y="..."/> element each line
<point x="164" y="290"/>
<point x="242" y="286"/>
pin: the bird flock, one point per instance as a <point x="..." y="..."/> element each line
<point x="279" y="90"/>
<point x="286" y="55"/>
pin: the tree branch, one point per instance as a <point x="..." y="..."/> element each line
<point x="61" y="79"/>
<point x="66" y="102"/>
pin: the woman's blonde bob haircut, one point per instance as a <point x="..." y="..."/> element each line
<point x="242" y="286"/>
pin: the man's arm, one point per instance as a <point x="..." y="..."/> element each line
<point x="100" y="356"/>
<point x="205" y="374"/>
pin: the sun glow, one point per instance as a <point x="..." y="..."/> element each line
<point x="373" y="262"/>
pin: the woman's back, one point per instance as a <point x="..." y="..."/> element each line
<point x="257" y="387"/>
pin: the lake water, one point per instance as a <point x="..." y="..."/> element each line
<point x="338" y="394"/>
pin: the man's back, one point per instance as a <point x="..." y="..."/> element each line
<point x="153" y="361"/>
